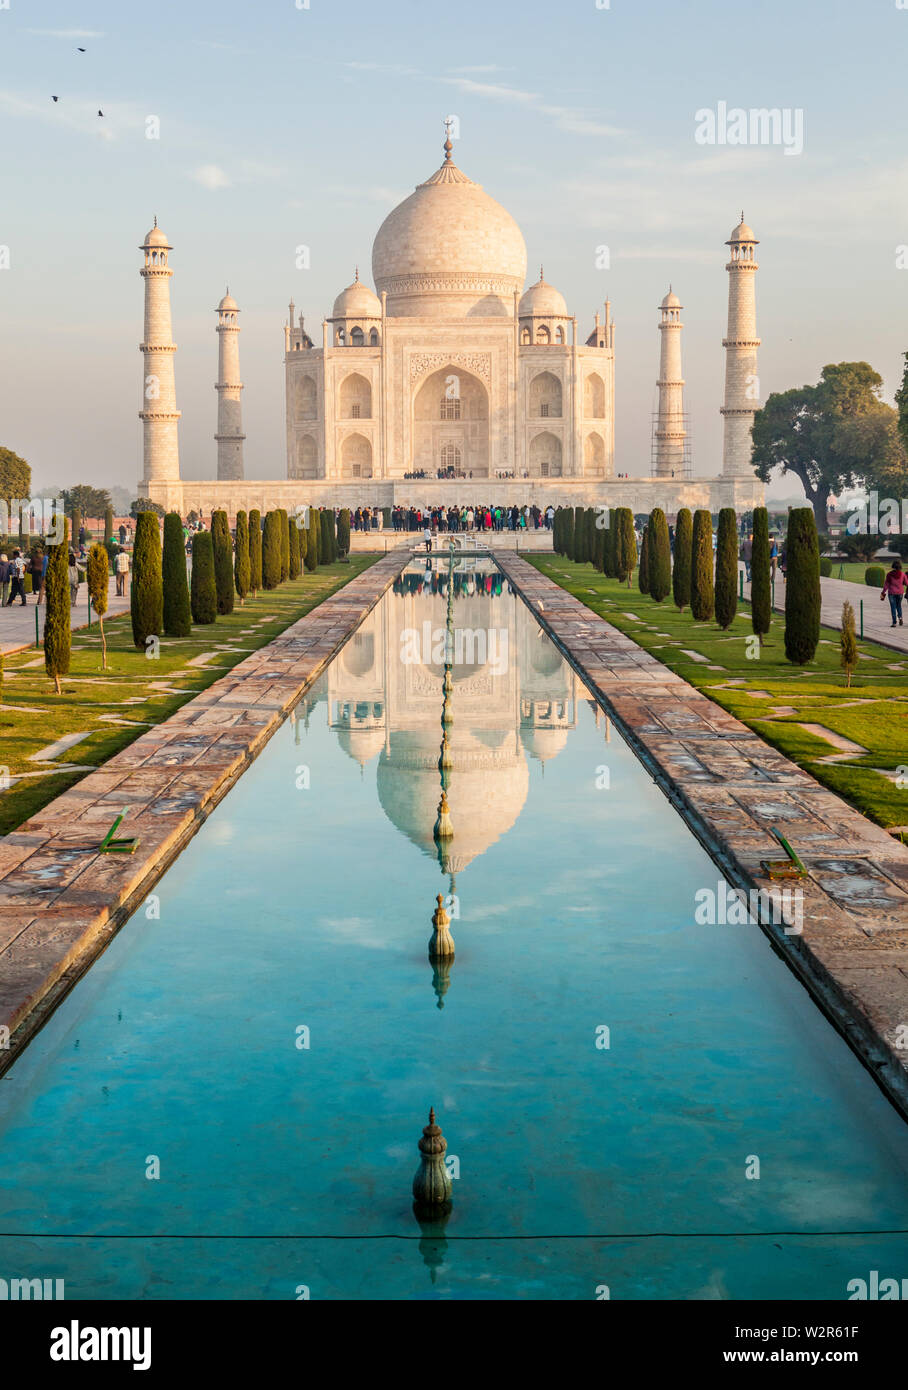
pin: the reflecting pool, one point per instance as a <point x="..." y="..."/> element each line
<point x="228" y="1104"/>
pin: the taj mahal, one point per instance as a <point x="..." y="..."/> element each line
<point x="451" y="380"/>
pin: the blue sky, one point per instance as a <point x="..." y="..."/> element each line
<point x="281" y="126"/>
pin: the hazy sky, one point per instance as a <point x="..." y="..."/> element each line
<point x="282" y="126"/>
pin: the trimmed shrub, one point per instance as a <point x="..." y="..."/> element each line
<point x="760" y="576"/>
<point x="97" y="575"/>
<point x="643" y="569"/>
<point x="285" y="544"/>
<point x="242" y="568"/>
<point x="701" y="567"/>
<point x="203" y="593"/>
<point x="683" y="559"/>
<point x="848" y="643"/>
<point x="659" y="556"/>
<point x="147" y="594"/>
<point x="255" y="551"/>
<point x="108" y="524"/>
<point x="825" y="567"/>
<point x="223" y="561"/>
<point x="625" y="545"/>
<point x="56" y="617"/>
<point x="727" y="568"/>
<point x="313" y="536"/>
<point x="802" y="587"/>
<point x="294" y="549"/>
<point x="176" y="612"/>
<point x="874" y="575"/>
<point x="343" y="532"/>
<point x="271" y="551"/>
<point x="77" y="526"/>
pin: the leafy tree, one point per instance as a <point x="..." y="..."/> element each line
<point x="143" y="504"/>
<point x="312" y="541"/>
<point x="659" y="557"/>
<point x="56" y="617"/>
<point x="701" y="568"/>
<point x="146" y="595"/>
<point x="255" y="551"/>
<point x="726" y="567"/>
<point x="343" y="532"/>
<point x="833" y="436"/>
<point x="15" y="477"/>
<point x="760" y="578"/>
<point x="203" y="590"/>
<point x="860" y="547"/>
<point x="177" y="612"/>
<point x="625" y="545"/>
<point x="848" y="644"/>
<point x="97" y="574"/>
<point x="802" y="587"/>
<point x="643" y="569"/>
<point x="241" y="564"/>
<point x="90" y="501"/>
<point x="271" y="551"/>
<point x="223" y="561"/>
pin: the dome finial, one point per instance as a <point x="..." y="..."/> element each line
<point x="542" y="275"/>
<point x="742" y="217"/>
<point x="156" y="220"/>
<point x="448" y="146"/>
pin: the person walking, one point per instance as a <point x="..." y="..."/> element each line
<point x="894" y="589"/>
<point x="427" y="537"/>
<point x="73" y="579"/>
<point x="17" y="579"/>
<point x="747" y="551"/>
<point x="122" y="570"/>
<point x="773" y="557"/>
<point x="5" y="571"/>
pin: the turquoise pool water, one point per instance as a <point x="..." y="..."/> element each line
<point x="305" y="902"/>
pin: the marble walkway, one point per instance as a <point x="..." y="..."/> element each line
<point x="60" y="899"/>
<point x="732" y="788"/>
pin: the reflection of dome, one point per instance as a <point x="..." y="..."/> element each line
<point x="544" y="655"/>
<point x="449" y="250"/>
<point x="543" y="300"/>
<point x="543" y="743"/>
<point x="358" y="656"/>
<point x="362" y="745"/>
<point x="357" y="301"/>
<point x="486" y="794"/>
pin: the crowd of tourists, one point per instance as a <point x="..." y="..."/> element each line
<point x="477" y="518"/>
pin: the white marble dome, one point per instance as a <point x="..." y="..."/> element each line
<point x="449" y="251"/>
<point x="542" y="300"/>
<point x="742" y="233"/>
<point x="156" y="238"/>
<point x="671" y="301"/>
<point x="357" y="301"/>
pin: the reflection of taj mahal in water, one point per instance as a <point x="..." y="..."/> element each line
<point x="387" y="708"/>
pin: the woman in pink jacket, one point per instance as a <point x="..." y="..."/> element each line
<point x="894" y="589"/>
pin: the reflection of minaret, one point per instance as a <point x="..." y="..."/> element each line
<point x="742" y="385"/>
<point x="230" y="434"/>
<point x="161" y="448"/>
<point x="670" y="432"/>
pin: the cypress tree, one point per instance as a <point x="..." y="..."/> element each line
<point x="77" y="526"/>
<point x="294" y="549"/>
<point x="848" y="645"/>
<point x="681" y="570"/>
<point x="98" y="576"/>
<point x="556" y="526"/>
<point x="802" y="587"/>
<point x="343" y="532"/>
<point x="701" y="569"/>
<point x="203" y="591"/>
<point x="727" y="567"/>
<point x="608" y="546"/>
<point x="592" y="536"/>
<point x="643" y="570"/>
<point x="598" y="539"/>
<point x="147" y="594"/>
<point x="625" y="545"/>
<point x="568" y="545"/>
<point x="332" y="534"/>
<point x="579" y="537"/>
<point x="322" y="537"/>
<point x="285" y="544"/>
<point x="56" y="616"/>
<point x="659" y="556"/>
<point x="271" y="551"/>
<point x="108" y="523"/>
<point x="760" y="580"/>
<point x="176" y="613"/>
<point x="223" y="561"/>
<point x="242" y="568"/>
<point x="312" y="540"/>
<point x="255" y="551"/>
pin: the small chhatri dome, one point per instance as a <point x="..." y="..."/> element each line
<point x="228" y="302"/>
<point x="357" y="301"/>
<point x="543" y="300"/>
<point x="671" y="301"/>
<point x="156" y="237"/>
<point x="742" y="233"/>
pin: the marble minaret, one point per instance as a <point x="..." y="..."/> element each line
<point x="159" y="415"/>
<point x="230" y="434"/>
<point x="742" y="384"/>
<point x="670" y="431"/>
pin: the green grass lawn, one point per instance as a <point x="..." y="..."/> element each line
<point x="33" y="717"/>
<point x="854" y="569"/>
<point x="872" y="713"/>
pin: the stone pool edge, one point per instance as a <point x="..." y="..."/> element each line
<point x="61" y="901"/>
<point x="852" y="955"/>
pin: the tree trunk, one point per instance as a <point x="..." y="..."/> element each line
<point x="818" y="498"/>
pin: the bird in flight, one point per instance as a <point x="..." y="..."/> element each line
<point x="100" y="113"/>
<point x="80" y="50"/>
<point x="55" y="98"/>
